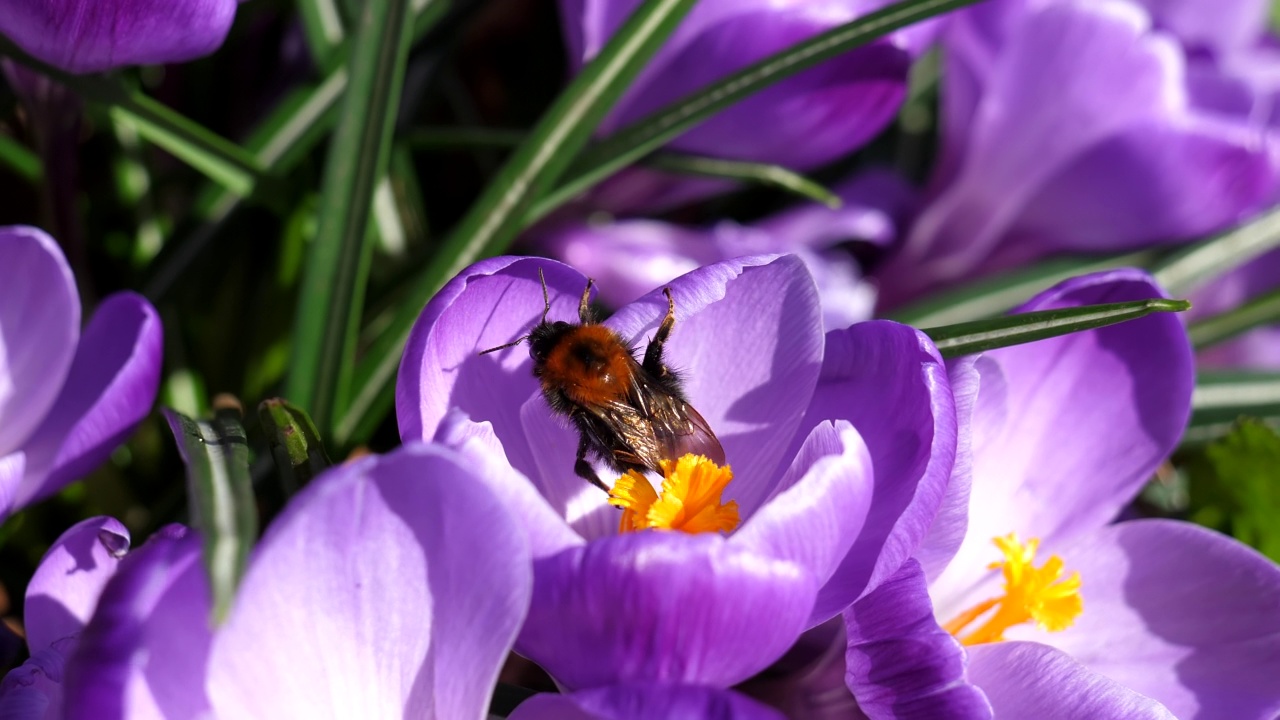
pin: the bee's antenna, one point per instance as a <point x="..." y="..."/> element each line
<point x="513" y="343"/>
<point x="546" y="300"/>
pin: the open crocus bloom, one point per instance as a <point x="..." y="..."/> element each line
<point x="390" y="587"/>
<point x="1077" y="126"/>
<point x="84" y="36"/>
<point x="806" y="121"/>
<point x="1137" y="619"/>
<point x="802" y="419"/>
<point x="67" y="397"/>
<point x="629" y="258"/>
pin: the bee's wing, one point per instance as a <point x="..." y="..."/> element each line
<point x="678" y="429"/>
<point x="697" y="439"/>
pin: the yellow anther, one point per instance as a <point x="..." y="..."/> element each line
<point x="689" y="501"/>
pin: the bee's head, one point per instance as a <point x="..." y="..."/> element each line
<point x="544" y="337"/>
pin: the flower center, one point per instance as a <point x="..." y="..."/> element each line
<point x="1030" y="593"/>
<point x="690" y="498"/>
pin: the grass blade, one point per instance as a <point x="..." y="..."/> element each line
<point x="295" y="443"/>
<point x="1262" y="310"/>
<point x="983" y="335"/>
<point x="1197" y="264"/>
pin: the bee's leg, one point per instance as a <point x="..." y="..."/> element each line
<point x="653" y="353"/>
<point x="583" y="468"/>
<point x="585" y="315"/>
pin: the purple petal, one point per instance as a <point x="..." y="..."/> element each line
<point x="1054" y="459"/>
<point x="645" y="701"/>
<point x="547" y="531"/>
<point x="661" y="606"/>
<point x="888" y="380"/>
<point x="748" y="338"/>
<point x="86" y="36"/>
<point x="144" y="652"/>
<point x="1030" y="680"/>
<point x="818" y="512"/>
<point x="39" y="325"/>
<point x="491" y="303"/>
<point x="1180" y="614"/>
<point x="34" y="690"/>
<point x="899" y="662"/>
<point x="388" y="588"/>
<point x="109" y="390"/>
<point x="64" y="591"/>
<point x="1220" y="26"/>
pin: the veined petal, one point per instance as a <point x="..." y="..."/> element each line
<point x="748" y="338"/>
<point x="890" y="383"/>
<point x="65" y="588"/>
<point x="33" y="691"/>
<point x="1025" y="679"/>
<point x="84" y="36"/>
<point x="391" y="587"/>
<point x="109" y="390"/>
<point x="144" y="652"/>
<point x="1180" y="614"/>
<point x="1054" y="459"/>
<point x="644" y="701"/>
<point x="899" y="662"/>
<point x="39" y="326"/>
<point x="663" y="607"/>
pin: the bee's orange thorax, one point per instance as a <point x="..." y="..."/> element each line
<point x="591" y="365"/>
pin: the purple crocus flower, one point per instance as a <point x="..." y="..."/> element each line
<point x="67" y="397"/>
<point x="1150" y="618"/>
<point x="811" y="119"/>
<point x="389" y="587"/>
<point x="84" y="36"/>
<point x="61" y="598"/>
<point x="1079" y="126"/>
<point x="643" y="702"/>
<point x="629" y="258"/>
<point x="803" y="419"/>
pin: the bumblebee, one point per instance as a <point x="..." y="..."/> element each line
<point x="629" y="414"/>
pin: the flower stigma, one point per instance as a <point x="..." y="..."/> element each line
<point x="689" y="501"/>
<point x="1030" y="593"/>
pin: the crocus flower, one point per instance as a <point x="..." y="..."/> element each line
<point x="1068" y="610"/>
<point x="61" y="598"/>
<point x="1078" y="126"/>
<point x="803" y="421"/>
<point x="67" y="397"/>
<point x="629" y="258"/>
<point x="806" y="121"/>
<point x="390" y="587"/>
<point x="84" y="36"/>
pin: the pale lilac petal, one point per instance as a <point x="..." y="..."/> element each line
<point x="388" y="588"/>
<point x="748" y="338"/>
<point x="12" y="467"/>
<point x="64" y="590"/>
<point x="579" y="503"/>
<point x="109" y="390"/>
<point x="818" y="512"/>
<point x="144" y="652"/>
<point x="663" y="606"/>
<point x="1179" y="613"/>
<point x="491" y="303"/>
<point x="947" y="532"/>
<point x="90" y="36"/>
<point x="546" y="529"/>
<point x="39" y="325"/>
<point x="33" y="691"/>
<point x="889" y="381"/>
<point x="643" y="702"/>
<point x="1066" y="431"/>
<point x="900" y="663"/>
<point x="1030" y="680"/>
<point x="1222" y="26"/>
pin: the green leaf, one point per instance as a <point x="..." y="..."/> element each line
<point x="1236" y="488"/>
<point x="746" y="172"/>
<point x="1197" y="264"/>
<point x="995" y="295"/>
<point x="295" y="443"/>
<point x="221" y="495"/>
<point x="499" y="213"/>
<point x="20" y="159"/>
<point x="652" y="132"/>
<point x="1222" y="397"/>
<point x="982" y="335"/>
<point x="1262" y="310"/>
<point x="322" y="25"/>
<point x="332" y="296"/>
